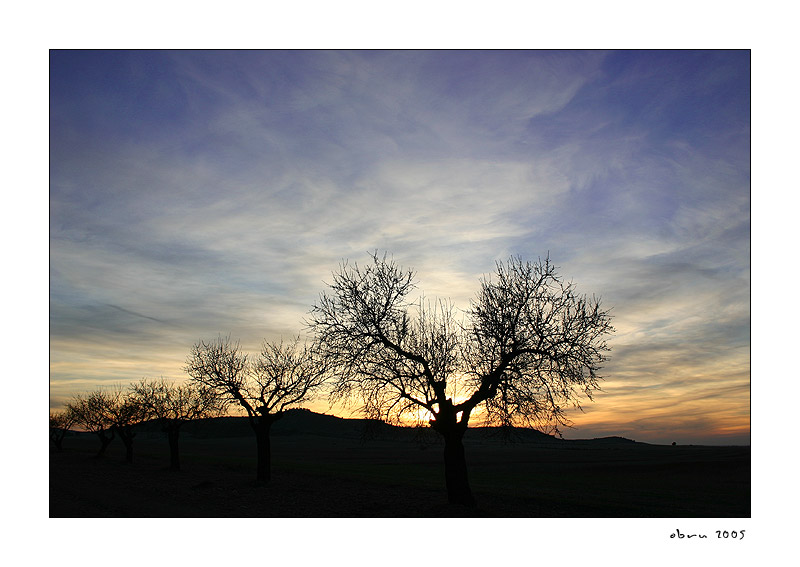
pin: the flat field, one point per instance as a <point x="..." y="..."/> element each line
<point x="327" y="477"/>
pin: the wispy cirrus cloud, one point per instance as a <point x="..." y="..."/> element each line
<point x="196" y="193"/>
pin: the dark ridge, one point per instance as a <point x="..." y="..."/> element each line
<point x="301" y="421"/>
<point x="611" y="440"/>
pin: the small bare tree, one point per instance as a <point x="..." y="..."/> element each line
<point x="108" y="413"/>
<point x="528" y="347"/>
<point x="125" y="412"/>
<point x="60" y="422"/>
<point x="175" y="404"/>
<point x="282" y="376"/>
<point x="90" y="413"/>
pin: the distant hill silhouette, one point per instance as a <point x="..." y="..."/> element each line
<point x="610" y="440"/>
<point x="302" y="421"/>
<point x="293" y="422"/>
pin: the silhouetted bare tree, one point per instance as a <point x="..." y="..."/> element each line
<point x="283" y="376"/>
<point x="527" y="347"/>
<point x="125" y="412"/>
<point x="108" y="413"/>
<point x="90" y="412"/>
<point x="175" y="404"/>
<point x="60" y="422"/>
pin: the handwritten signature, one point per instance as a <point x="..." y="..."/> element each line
<point x="721" y="534"/>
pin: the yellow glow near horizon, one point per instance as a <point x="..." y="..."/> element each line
<point x="694" y="399"/>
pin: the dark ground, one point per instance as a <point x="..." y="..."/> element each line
<point x="317" y="476"/>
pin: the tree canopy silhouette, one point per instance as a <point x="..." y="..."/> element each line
<point x="60" y="422"/>
<point x="124" y="411"/>
<point x="527" y="347"/>
<point x="283" y="376"/>
<point x="175" y="404"/>
<point x="91" y="412"/>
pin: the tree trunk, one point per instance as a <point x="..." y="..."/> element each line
<point x="448" y="424"/>
<point x="262" y="425"/>
<point x="104" y="441"/>
<point x="128" y="441"/>
<point x="263" y="472"/>
<point x="57" y="438"/>
<point x="455" y="471"/>
<point x="172" y="437"/>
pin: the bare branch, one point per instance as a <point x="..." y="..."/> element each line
<point x="383" y="349"/>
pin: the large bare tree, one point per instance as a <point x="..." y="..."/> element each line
<point x="282" y="376"/>
<point x="527" y="347"/>
<point x="175" y="404"/>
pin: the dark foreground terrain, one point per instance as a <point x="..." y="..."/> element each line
<point x="344" y="475"/>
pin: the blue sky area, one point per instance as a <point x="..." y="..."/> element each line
<point x="194" y="194"/>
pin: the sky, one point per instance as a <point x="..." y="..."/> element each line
<point x="199" y="193"/>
